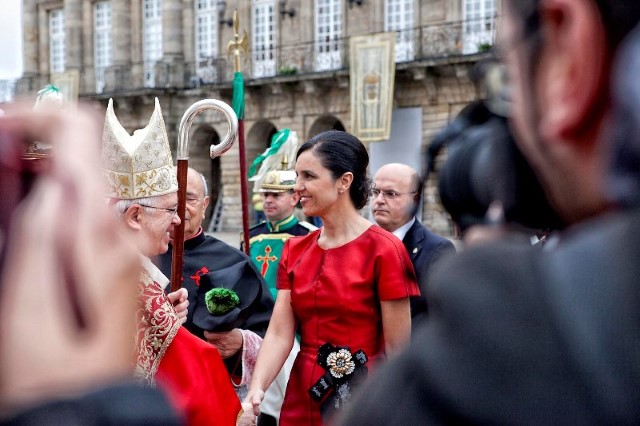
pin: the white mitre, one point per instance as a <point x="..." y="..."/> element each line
<point x="138" y="165"/>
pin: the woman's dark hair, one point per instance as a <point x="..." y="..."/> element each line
<point x="341" y="152"/>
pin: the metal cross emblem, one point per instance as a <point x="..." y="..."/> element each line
<point x="265" y="260"/>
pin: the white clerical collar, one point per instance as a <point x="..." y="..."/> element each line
<point x="154" y="272"/>
<point x="402" y="231"/>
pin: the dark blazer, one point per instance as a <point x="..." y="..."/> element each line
<point x="425" y="249"/>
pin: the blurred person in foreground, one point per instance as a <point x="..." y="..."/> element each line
<point x="485" y="184"/>
<point x="142" y="190"/>
<point x="395" y="199"/>
<point x="518" y="335"/>
<point x="68" y="274"/>
<point x="345" y="287"/>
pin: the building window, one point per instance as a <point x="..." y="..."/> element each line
<point x="206" y="29"/>
<point x="479" y="24"/>
<point x="102" y="50"/>
<point x="263" y="54"/>
<point x="206" y="39"/>
<point x="152" y="38"/>
<point x="328" y="29"/>
<point x="399" y="17"/>
<point x="7" y="90"/>
<point x="56" y="40"/>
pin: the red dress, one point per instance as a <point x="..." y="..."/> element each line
<point x="335" y="296"/>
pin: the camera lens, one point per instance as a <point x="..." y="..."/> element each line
<point x="484" y="165"/>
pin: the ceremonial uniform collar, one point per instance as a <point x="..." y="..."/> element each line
<point x="283" y="224"/>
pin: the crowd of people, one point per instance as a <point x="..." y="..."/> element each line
<point x="358" y="321"/>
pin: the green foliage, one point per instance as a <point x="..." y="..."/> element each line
<point x="287" y="70"/>
<point x="484" y="47"/>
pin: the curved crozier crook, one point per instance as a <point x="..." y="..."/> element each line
<point x="182" y="157"/>
<point x="192" y="112"/>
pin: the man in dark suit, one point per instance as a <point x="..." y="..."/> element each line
<point x="519" y="335"/>
<point x="395" y="198"/>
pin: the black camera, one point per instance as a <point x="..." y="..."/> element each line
<point x="484" y="166"/>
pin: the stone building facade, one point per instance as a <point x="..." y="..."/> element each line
<point x="176" y="50"/>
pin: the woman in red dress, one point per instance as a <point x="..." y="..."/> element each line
<point x="345" y="288"/>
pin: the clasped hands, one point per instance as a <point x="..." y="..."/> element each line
<point x="251" y="408"/>
<point x="228" y="343"/>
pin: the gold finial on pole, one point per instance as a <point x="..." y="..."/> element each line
<point x="240" y="44"/>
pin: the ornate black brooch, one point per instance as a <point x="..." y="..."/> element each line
<point x="342" y="369"/>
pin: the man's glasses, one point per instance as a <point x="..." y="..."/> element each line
<point x="173" y="211"/>
<point x="388" y="194"/>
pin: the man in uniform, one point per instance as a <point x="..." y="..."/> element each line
<point x="267" y="238"/>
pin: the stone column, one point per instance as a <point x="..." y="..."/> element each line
<point x="121" y="31"/>
<point x="73" y="34"/>
<point x="30" y="37"/>
<point x="173" y="59"/>
<point x="43" y="42"/>
<point x="136" y="28"/>
<point x="30" y="49"/>
<point x="188" y="32"/>
<point x="118" y="75"/>
<point x="87" y="81"/>
<point x="172" y="28"/>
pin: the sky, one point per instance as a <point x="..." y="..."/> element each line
<point x="10" y="39"/>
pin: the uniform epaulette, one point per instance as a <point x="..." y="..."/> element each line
<point x="257" y="225"/>
<point x="308" y="225"/>
<point x="251" y="228"/>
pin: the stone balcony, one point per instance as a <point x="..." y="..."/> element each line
<point x="419" y="51"/>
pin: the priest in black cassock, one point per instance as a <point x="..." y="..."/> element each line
<point x="203" y="255"/>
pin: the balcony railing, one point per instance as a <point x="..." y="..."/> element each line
<point x="414" y="44"/>
<point x="426" y="43"/>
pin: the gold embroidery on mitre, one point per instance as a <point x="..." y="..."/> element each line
<point x="138" y="165"/>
